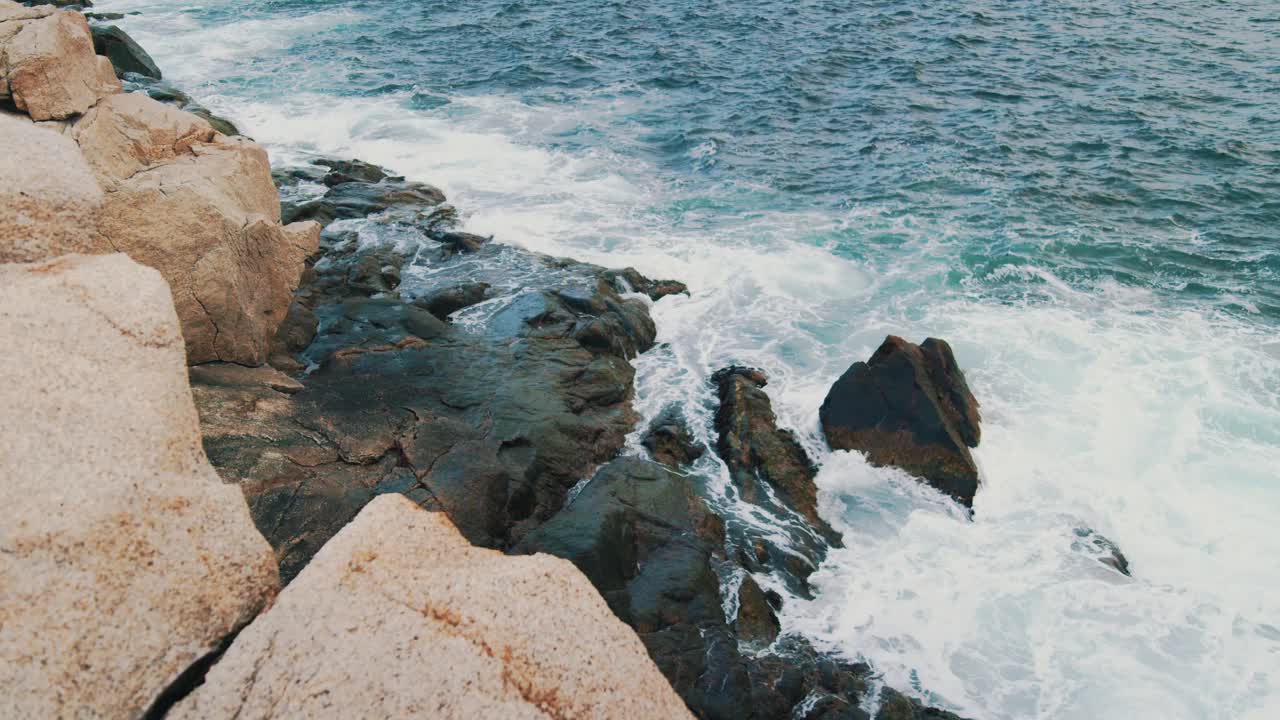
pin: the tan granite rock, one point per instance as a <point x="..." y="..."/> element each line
<point x="207" y="217"/>
<point x="398" y="616"/>
<point x="123" y="557"/>
<point x="49" y="67"/>
<point x="49" y="200"/>
<point x="127" y="133"/>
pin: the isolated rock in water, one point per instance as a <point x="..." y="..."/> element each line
<point x="910" y="407"/>
<point x="205" y="215"/>
<point x="399" y="593"/>
<point x="47" y="63"/>
<point x="123" y="557"/>
<point x="345" y="171"/>
<point x="126" y="55"/>
<point x="669" y="440"/>
<point x="1101" y="548"/>
<point x="49" y="200"/>
<point x="755" y="449"/>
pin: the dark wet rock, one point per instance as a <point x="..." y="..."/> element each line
<point x="460" y="242"/>
<point x="756" y="450"/>
<point x="126" y="55"/>
<point x="296" y="333"/>
<point x="219" y="123"/>
<point x="910" y="407"/>
<point x="645" y="539"/>
<point x="444" y="302"/>
<point x="669" y="440"/>
<point x="105" y="16"/>
<point x="896" y="706"/>
<point x="359" y="199"/>
<point x="291" y="175"/>
<point x="792" y="674"/>
<point x="376" y="271"/>
<point x="345" y="171"/>
<point x="1101" y="548"/>
<point x="349" y="200"/>
<point x="630" y="280"/>
<point x="757" y="621"/>
<point x="70" y="4"/>
<point x="492" y="425"/>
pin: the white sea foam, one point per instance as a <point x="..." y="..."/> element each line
<point x="1159" y="427"/>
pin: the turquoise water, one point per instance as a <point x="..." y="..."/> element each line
<point x="1083" y="197"/>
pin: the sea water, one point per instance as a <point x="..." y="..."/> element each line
<point x="1083" y="197"/>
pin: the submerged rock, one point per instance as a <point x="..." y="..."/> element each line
<point x="123" y="557"/>
<point x="1101" y="548"/>
<point x="669" y="440"/>
<point x="398" y="593"/>
<point x="756" y="450"/>
<point x="910" y="407"/>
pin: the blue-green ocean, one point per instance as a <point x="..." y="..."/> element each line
<point x="1083" y="197"/>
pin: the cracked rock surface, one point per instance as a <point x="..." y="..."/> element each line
<point x="400" y="590"/>
<point x="123" y="557"/>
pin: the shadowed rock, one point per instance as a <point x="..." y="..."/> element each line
<point x="443" y="303"/>
<point x="630" y="280"/>
<point x="669" y="440"/>
<point x="756" y="450"/>
<point x="910" y="407"/>
<point x="126" y="55"/>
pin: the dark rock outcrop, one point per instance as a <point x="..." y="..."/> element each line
<point x="757" y="450"/>
<point x="645" y="539"/>
<point x="493" y="424"/>
<point x="910" y="407"/>
<point x="126" y="55"/>
<point x="1101" y="548"/>
<point x="446" y="301"/>
<point x="356" y="189"/>
<point x="896" y="706"/>
<point x="630" y="280"/>
<point x="669" y="440"/>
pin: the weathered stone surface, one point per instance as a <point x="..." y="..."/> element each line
<point x="206" y="219"/>
<point x="446" y="301"/>
<point x="896" y="706"/>
<point x="399" y="593"/>
<point x="630" y="280"/>
<point x="493" y="424"/>
<point x="123" y="558"/>
<point x="47" y="62"/>
<point x="645" y="539"/>
<point x="756" y="450"/>
<point x="49" y="200"/>
<point x="757" y="623"/>
<point x="669" y="440"/>
<point x="128" y="133"/>
<point x="910" y="407"/>
<point x="125" y="54"/>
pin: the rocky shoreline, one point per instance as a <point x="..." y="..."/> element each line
<point x="357" y="369"/>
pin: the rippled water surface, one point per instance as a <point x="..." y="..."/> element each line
<point x="1083" y="197"/>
